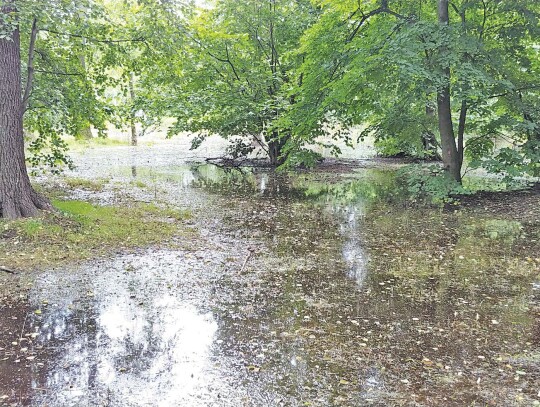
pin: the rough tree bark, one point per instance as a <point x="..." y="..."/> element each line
<point x="450" y="154"/>
<point x="17" y="197"/>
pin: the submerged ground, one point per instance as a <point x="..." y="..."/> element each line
<point x="311" y="289"/>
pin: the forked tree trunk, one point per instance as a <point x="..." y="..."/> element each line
<point x="17" y="197"/>
<point x="450" y="155"/>
<point x="275" y="147"/>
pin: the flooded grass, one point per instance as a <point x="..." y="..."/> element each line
<point x="80" y="230"/>
<point x="92" y="185"/>
<point x="81" y="145"/>
<point x="302" y="289"/>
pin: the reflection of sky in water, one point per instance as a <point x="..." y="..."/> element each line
<point x="120" y="350"/>
<point x="262" y="183"/>
<point x="353" y="252"/>
<point x="181" y="340"/>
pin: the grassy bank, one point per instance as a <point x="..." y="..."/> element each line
<point x="79" y="230"/>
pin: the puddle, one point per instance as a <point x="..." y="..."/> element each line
<point x="302" y="294"/>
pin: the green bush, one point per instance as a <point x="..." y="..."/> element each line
<point x="429" y="184"/>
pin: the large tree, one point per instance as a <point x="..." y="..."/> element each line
<point x="17" y="197"/>
<point x="238" y="67"/>
<point x="388" y="64"/>
<point x="48" y="39"/>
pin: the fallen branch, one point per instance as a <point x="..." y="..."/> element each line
<point x="245" y="262"/>
<point x="238" y="163"/>
<point x="251" y="250"/>
<point x="5" y="269"/>
<point x="224" y="162"/>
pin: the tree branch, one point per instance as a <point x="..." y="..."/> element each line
<point x="453" y="5"/>
<point x="380" y="10"/>
<point x="30" y="76"/>
<point x="2" y="268"/>
<point x="230" y="62"/>
<point x="138" y="39"/>
<point x="59" y="73"/>
<point x="532" y="87"/>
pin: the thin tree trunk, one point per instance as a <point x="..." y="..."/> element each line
<point x="450" y="154"/>
<point x="86" y="131"/>
<point x="531" y="135"/>
<point x="429" y="142"/>
<point x="17" y="197"/>
<point x="461" y="130"/>
<point x="132" y="118"/>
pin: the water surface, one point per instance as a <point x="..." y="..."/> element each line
<point x="300" y="290"/>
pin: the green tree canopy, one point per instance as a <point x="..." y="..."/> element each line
<point x="238" y="69"/>
<point x="381" y="64"/>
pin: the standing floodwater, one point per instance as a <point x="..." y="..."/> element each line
<point x="294" y="290"/>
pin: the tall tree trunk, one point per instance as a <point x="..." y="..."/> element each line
<point x="132" y="118"/>
<point x="17" y="197"/>
<point x="461" y="130"/>
<point x="86" y="131"/>
<point x="450" y="155"/>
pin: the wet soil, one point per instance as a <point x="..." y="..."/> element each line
<point x="301" y="290"/>
<point x="519" y="205"/>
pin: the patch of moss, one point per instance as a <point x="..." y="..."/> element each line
<point x="79" y="230"/>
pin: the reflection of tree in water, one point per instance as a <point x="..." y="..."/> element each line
<point x="247" y="182"/>
<point x="313" y="243"/>
<point x="353" y="251"/>
<point x="67" y="324"/>
<point x="114" y="338"/>
<point x="56" y="327"/>
<point x="371" y="328"/>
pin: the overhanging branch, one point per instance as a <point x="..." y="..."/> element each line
<point x="383" y="9"/>
<point x="97" y="40"/>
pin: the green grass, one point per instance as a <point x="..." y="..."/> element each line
<point x="77" y="145"/>
<point x="82" y="183"/>
<point x="80" y="230"/>
<point x="138" y="184"/>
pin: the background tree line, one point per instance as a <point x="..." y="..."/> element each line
<point x="455" y="80"/>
